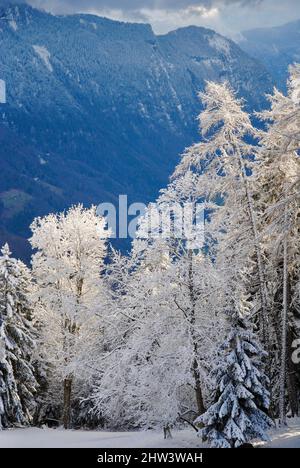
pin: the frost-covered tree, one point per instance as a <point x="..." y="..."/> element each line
<point x="278" y="191"/>
<point x="129" y="392"/>
<point x="166" y="302"/>
<point x="67" y="265"/>
<point x="199" y="290"/>
<point x="18" y="384"/>
<point x="225" y="160"/>
<point x="239" y="410"/>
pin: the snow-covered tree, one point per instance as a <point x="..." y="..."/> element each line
<point x="199" y="290"/>
<point x="67" y="265"/>
<point x="167" y="300"/>
<point x="239" y="410"/>
<point x="129" y="393"/>
<point x="133" y="341"/>
<point x="278" y="191"/>
<point x="18" y="384"/>
<point x="225" y="160"/>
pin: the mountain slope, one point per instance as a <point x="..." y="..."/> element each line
<point x="276" y="48"/>
<point x="102" y="107"/>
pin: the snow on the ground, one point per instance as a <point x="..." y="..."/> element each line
<point x="45" y="55"/>
<point x="59" y="438"/>
<point x="287" y="437"/>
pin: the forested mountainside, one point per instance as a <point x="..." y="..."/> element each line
<point x="96" y="108"/>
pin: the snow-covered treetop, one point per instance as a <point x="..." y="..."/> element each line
<point x="5" y="251"/>
<point x="71" y="238"/>
<point x="223" y="111"/>
<point x="225" y="127"/>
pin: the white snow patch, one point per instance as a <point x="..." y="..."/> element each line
<point x="42" y="161"/>
<point x="213" y="62"/>
<point x="45" y="55"/>
<point x="13" y="25"/>
<point x="2" y="92"/>
<point x="143" y="109"/>
<point x="219" y="43"/>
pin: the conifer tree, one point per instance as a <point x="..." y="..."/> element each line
<point x="239" y="410"/>
<point x="17" y="380"/>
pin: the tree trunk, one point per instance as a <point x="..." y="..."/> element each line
<point x="291" y="367"/>
<point x="67" y="403"/>
<point x="282" y="402"/>
<point x="192" y="319"/>
<point x="198" y="390"/>
<point x="264" y="319"/>
<point x="292" y="387"/>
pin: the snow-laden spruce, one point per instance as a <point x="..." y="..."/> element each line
<point x="239" y="412"/>
<point x="17" y="343"/>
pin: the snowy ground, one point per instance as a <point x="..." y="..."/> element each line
<point x="287" y="437"/>
<point x="17" y="438"/>
<point x="43" y="438"/>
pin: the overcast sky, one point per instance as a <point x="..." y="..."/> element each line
<point x="225" y="16"/>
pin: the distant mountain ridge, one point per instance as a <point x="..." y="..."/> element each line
<point x="276" y="48"/>
<point x="97" y="108"/>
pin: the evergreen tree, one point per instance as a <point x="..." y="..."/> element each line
<point x="17" y="380"/>
<point x="239" y="412"/>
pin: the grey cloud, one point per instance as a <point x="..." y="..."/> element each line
<point x="226" y="16"/>
<point x="180" y="4"/>
<point x="126" y="5"/>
